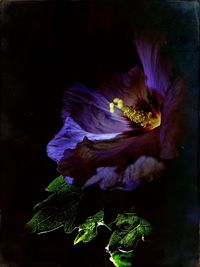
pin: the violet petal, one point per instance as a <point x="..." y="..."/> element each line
<point x="172" y="123"/>
<point x="156" y="68"/>
<point x="68" y="137"/>
<point x="91" y="111"/>
<point x="130" y="87"/>
<point x="81" y="163"/>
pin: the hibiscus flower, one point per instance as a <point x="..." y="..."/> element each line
<point x="124" y="132"/>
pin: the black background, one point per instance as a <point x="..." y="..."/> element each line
<point x="46" y="46"/>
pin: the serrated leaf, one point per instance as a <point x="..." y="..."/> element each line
<point x="45" y="202"/>
<point x="144" y="228"/>
<point x="55" y="185"/>
<point x="129" y="229"/>
<point x="129" y="241"/>
<point x="88" y="230"/>
<point x="45" y="220"/>
<point x="49" y="219"/>
<point x="86" y="235"/>
<point x="58" y="185"/>
<point x="121" y="259"/>
<point x="69" y="224"/>
<point x="60" y="209"/>
<point x="127" y="220"/>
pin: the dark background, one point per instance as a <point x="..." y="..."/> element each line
<point x="48" y="45"/>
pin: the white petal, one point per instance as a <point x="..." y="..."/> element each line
<point x="109" y="178"/>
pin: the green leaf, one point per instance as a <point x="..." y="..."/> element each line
<point x="50" y="218"/>
<point x="60" y="209"/>
<point x="121" y="259"/>
<point x="45" y="202"/>
<point x="88" y="230"/>
<point x="45" y="220"/>
<point x="69" y="224"/>
<point x="59" y="185"/>
<point x="129" y="229"/>
<point x="56" y="184"/>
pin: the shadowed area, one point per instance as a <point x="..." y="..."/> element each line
<point x="47" y="46"/>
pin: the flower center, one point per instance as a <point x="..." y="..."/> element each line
<point x="145" y="119"/>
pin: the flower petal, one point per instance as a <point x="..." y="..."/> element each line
<point x="69" y="180"/>
<point x="81" y="163"/>
<point x="145" y="168"/>
<point x="106" y="177"/>
<point x="127" y="148"/>
<point x="91" y="111"/>
<point x="68" y="137"/>
<point x="172" y="123"/>
<point x="109" y="178"/>
<point x="156" y="68"/>
<point x="129" y="87"/>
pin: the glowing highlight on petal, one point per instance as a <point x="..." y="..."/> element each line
<point x="69" y="180"/>
<point x="69" y="136"/>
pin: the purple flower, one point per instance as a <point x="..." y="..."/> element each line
<point x="122" y="133"/>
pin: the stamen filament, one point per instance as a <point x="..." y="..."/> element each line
<point x="145" y="119"/>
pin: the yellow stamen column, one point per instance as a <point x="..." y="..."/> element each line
<point x="145" y="119"/>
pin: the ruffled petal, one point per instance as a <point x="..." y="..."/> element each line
<point x="126" y="149"/>
<point x="156" y="68"/>
<point x="68" y="137"/>
<point x="91" y="111"/>
<point x="144" y="169"/>
<point x="109" y="178"/>
<point x="172" y="123"/>
<point x="79" y="163"/>
<point x="82" y="162"/>
<point x="106" y="178"/>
